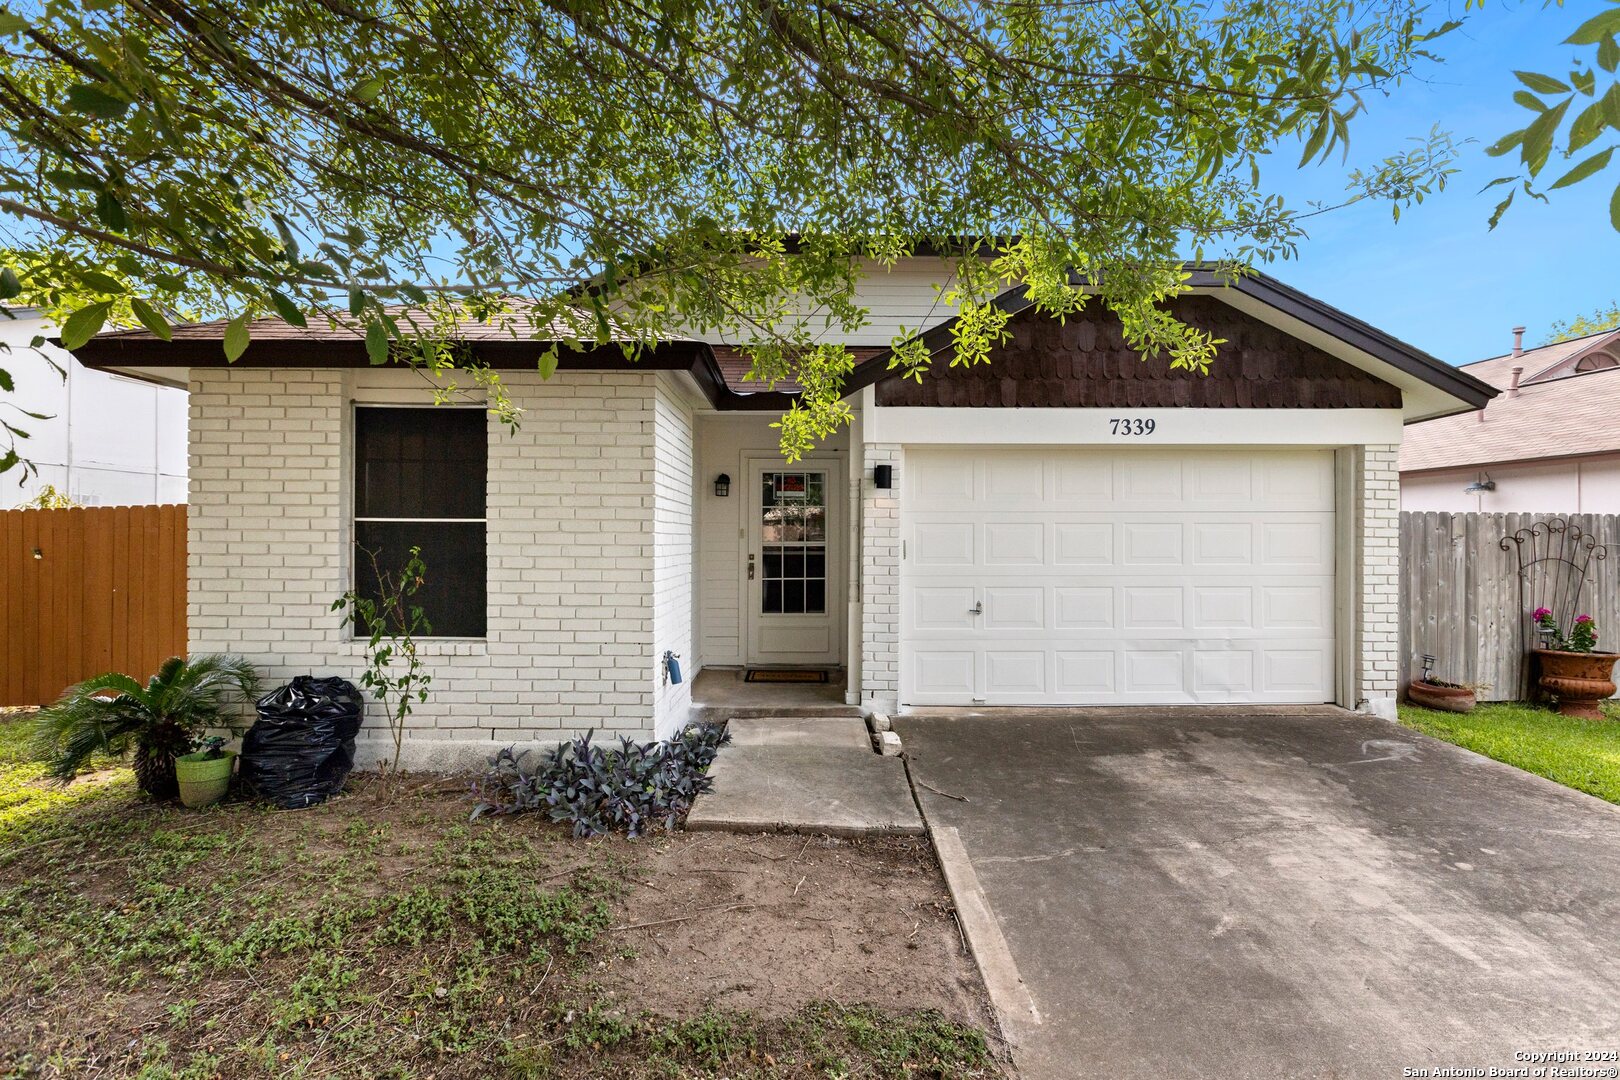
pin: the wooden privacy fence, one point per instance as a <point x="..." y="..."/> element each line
<point x="1460" y="597"/>
<point x="88" y="590"/>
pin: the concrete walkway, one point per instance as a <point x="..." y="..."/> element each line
<point x="806" y="774"/>
<point x="1306" y="893"/>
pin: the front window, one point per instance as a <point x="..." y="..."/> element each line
<point x="419" y="482"/>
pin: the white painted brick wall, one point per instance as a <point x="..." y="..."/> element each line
<point x="1378" y="530"/>
<point x="673" y="439"/>
<point x="570" y="642"/>
<point x="880" y="583"/>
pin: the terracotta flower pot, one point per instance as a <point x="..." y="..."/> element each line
<point x="1578" y="680"/>
<point x="1445" y="698"/>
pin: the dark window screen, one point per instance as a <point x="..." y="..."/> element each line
<point x="415" y="468"/>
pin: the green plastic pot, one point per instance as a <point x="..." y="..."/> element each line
<point x="203" y="779"/>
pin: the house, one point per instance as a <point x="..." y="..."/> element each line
<point x="108" y="440"/>
<point x="1549" y="444"/>
<point x="1067" y="525"/>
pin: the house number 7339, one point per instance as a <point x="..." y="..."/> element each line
<point x="1123" y="425"/>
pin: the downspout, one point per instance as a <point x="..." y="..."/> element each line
<point x="854" y="642"/>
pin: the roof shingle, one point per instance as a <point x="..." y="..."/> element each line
<point x="1561" y="417"/>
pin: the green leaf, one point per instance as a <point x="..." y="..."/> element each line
<point x="9" y="285"/>
<point x="1614" y="209"/>
<point x="377" y="343"/>
<point x="83" y="324"/>
<point x="110" y="212"/>
<point x="1529" y="101"/>
<point x="357" y="302"/>
<point x="95" y="101"/>
<point x="150" y="318"/>
<point x="289" y="311"/>
<point x="1505" y="144"/>
<point x="548" y="362"/>
<point x="1541" y="84"/>
<point x="236" y="337"/>
<point x="1611" y="105"/>
<point x="5" y="381"/>
<point x="1539" y="135"/>
<point x="1608" y="56"/>
<point x="1596" y="163"/>
<point x="11" y="23"/>
<point x="73" y="180"/>
<point x="1587" y="126"/>
<point x="1501" y="208"/>
<point x="103" y="283"/>
<point x="1603" y="24"/>
<point x="288" y="240"/>
<point x="369" y="89"/>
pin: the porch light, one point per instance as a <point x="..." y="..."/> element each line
<point x="722" y="485"/>
<point x="882" y="477"/>
<point x="1485" y="484"/>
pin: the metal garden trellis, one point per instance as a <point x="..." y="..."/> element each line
<point x="1555" y="558"/>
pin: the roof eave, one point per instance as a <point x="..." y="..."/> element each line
<point x="144" y="357"/>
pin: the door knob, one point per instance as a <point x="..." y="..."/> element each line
<point x="750" y="567"/>
<point x="977" y="608"/>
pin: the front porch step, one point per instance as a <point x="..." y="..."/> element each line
<point x="810" y="774"/>
<point x="720" y="714"/>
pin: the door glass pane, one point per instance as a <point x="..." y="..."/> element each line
<point x="793" y="531"/>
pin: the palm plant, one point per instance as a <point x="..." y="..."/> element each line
<point x="113" y="713"/>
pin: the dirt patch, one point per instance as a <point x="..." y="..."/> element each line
<point x="385" y="934"/>
<point x="768" y="923"/>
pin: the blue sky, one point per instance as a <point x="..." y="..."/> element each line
<point x="1439" y="278"/>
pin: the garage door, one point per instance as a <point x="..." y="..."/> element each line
<point x="1092" y="577"/>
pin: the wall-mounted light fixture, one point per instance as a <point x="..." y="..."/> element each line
<point x="722" y="485"/>
<point x="883" y="477"/>
<point x="38" y="554"/>
<point x="1483" y="484"/>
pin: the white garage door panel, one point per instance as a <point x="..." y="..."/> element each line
<point x="1094" y="577"/>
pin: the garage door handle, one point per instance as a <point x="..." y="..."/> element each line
<point x="977" y="608"/>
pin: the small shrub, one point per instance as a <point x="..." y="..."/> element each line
<point x="631" y="788"/>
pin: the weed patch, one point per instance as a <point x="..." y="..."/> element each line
<point x="382" y="935"/>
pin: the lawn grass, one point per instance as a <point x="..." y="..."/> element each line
<point x="379" y="935"/>
<point x="25" y="794"/>
<point x="1582" y="754"/>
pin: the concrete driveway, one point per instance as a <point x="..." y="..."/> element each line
<point x="1278" y="893"/>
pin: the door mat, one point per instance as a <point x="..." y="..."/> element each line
<point x="784" y="675"/>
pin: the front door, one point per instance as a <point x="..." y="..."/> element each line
<point x="794" y="611"/>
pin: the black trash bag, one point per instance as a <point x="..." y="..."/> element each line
<point x="300" y="750"/>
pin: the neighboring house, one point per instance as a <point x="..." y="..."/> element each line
<point x="1067" y="525"/>
<point x="109" y="440"/>
<point x="1549" y="444"/>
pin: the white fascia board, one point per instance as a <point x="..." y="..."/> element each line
<point x="1421" y="400"/>
<point x="177" y="377"/>
<point x="923" y="426"/>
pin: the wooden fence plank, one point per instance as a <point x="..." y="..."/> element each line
<point x="107" y="594"/>
<point x="1461" y="601"/>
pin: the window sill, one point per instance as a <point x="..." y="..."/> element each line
<point x="433" y="647"/>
